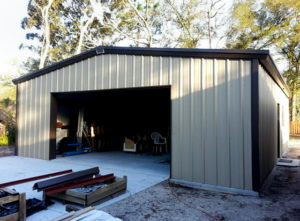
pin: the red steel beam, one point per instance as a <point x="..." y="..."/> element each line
<point x="2" y="185"/>
<point x="81" y="183"/>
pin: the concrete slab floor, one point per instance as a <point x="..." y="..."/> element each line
<point x="142" y="171"/>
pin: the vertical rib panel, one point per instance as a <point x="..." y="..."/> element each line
<point x="92" y="79"/>
<point x="121" y="71"/>
<point x="114" y="72"/>
<point x="155" y="71"/>
<point x="38" y="118"/>
<point x="138" y="71"/>
<point x="129" y="71"/>
<point x="236" y="141"/>
<point x="60" y="80"/>
<point x="106" y="66"/>
<point x="210" y="131"/>
<point x="54" y="81"/>
<point x="27" y="120"/>
<point x="65" y="80"/>
<point x="73" y="77"/>
<point x="32" y="122"/>
<point x="196" y="130"/>
<point x="186" y="119"/>
<point x="203" y="118"/>
<point x="223" y="162"/>
<point x="86" y="73"/>
<point x="147" y="71"/>
<point x="47" y="115"/>
<point x="165" y="70"/>
<point x="78" y="76"/>
<point x="43" y="107"/>
<point x="246" y="81"/>
<point x="175" y="97"/>
<point x="99" y="72"/>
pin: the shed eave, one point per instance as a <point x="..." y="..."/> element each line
<point x="263" y="56"/>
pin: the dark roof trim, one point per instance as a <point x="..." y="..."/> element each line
<point x="262" y="55"/>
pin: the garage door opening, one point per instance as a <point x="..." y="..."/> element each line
<point x="110" y="121"/>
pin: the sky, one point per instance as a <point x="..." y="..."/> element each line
<point x="12" y="35"/>
<point x="11" y="14"/>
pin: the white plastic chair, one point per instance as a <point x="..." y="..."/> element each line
<point x="158" y="141"/>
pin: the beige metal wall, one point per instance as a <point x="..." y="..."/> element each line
<point x="269" y="96"/>
<point x="211" y="112"/>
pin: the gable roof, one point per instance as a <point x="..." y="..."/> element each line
<point x="262" y="55"/>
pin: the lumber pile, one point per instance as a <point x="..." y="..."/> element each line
<point x="88" y="213"/>
<point x="84" y="187"/>
<point x="12" y="205"/>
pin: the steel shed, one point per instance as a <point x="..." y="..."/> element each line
<point x="229" y="108"/>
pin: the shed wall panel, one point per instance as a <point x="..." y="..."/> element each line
<point x="270" y="95"/>
<point x="209" y="109"/>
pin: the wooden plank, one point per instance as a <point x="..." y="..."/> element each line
<point x="11" y="217"/>
<point x="107" y="191"/>
<point x="9" y="199"/>
<point x="64" y="197"/>
<point x="10" y="191"/>
<point x="86" y="199"/>
<point x="22" y="207"/>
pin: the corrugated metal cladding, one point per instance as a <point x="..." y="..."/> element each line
<point x="270" y="96"/>
<point x="211" y="112"/>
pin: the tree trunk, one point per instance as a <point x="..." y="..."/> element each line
<point x="46" y="42"/>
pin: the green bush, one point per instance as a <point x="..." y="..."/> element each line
<point x="11" y="133"/>
<point x="3" y="140"/>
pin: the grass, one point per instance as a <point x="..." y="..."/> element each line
<point x="3" y="140"/>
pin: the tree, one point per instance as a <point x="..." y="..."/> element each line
<point x="272" y="24"/>
<point x="141" y="21"/>
<point x="41" y="22"/>
<point x="186" y="16"/>
<point x="61" y="28"/>
<point x="214" y="18"/>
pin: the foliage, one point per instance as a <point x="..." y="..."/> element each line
<point x="186" y="17"/>
<point x="270" y="24"/>
<point x="11" y="133"/>
<point x="7" y="94"/>
<point x="3" y="140"/>
<point x="58" y="29"/>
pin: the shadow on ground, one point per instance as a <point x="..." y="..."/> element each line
<point x="278" y="201"/>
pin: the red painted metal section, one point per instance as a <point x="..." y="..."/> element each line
<point x="80" y="184"/>
<point x="2" y="185"/>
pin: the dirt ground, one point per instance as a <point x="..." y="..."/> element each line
<point x="278" y="201"/>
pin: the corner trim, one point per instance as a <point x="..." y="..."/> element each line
<point x="53" y="115"/>
<point x="255" y="124"/>
<point x="17" y="120"/>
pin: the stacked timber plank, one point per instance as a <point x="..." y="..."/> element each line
<point x="84" y="187"/>
<point x="10" y="198"/>
<point x="117" y="186"/>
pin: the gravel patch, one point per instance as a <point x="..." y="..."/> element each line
<point x="280" y="200"/>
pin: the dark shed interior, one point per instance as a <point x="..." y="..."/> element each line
<point x="110" y="116"/>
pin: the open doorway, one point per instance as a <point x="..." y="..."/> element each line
<point x="111" y="120"/>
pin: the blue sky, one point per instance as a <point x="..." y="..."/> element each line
<point x="12" y="35"/>
<point x="11" y="14"/>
